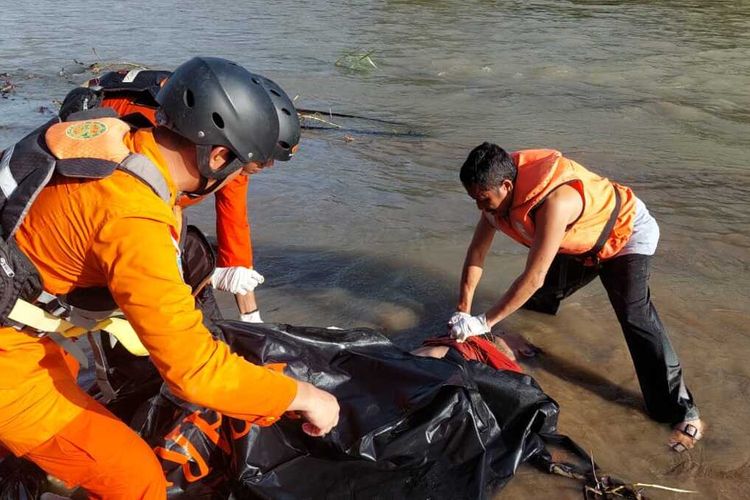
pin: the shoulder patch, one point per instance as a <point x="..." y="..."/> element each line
<point x="100" y="138"/>
<point x="86" y="130"/>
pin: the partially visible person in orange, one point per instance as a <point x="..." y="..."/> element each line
<point x="119" y="230"/>
<point x="133" y="93"/>
<point x="577" y="225"/>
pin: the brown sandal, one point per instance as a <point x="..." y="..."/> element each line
<point x="688" y="430"/>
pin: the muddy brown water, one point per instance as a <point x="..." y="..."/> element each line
<point x="371" y="229"/>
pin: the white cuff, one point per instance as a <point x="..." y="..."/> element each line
<point x="251" y="317"/>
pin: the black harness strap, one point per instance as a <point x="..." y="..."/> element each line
<point x="592" y="256"/>
<point x="107" y="392"/>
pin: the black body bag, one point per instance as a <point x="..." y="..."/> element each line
<point x="410" y="427"/>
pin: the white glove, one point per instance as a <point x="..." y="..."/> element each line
<point x="456" y="317"/>
<point x="236" y="279"/>
<point x="469" y="327"/>
<point x="251" y="317"/>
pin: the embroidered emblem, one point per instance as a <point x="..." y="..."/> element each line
<point x="86" y="130"/>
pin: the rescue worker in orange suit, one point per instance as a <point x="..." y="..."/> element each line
<point x="119" y="230"/>
<point x="134" y="92"/>
<point x="577" y="225"/>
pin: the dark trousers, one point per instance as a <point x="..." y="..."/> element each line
<point x="626" y="281"/>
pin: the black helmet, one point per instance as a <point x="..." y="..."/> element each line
<point x="289" y="129"/>
<point x="214" y="102"/>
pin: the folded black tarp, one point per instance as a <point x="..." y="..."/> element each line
<point x="19" y="479"/>
<point x="410" y="427"/>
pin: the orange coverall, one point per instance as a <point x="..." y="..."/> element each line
<point x="115" y="232"/>
<point x="232" y="228"/>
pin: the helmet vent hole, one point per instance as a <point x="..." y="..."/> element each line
<point x="255" y="81"/>
<point x="218" y="120"/>
<point x="274" y="92"/>
<point x="189" y="98"/>
<point x="284" y="145"/>
<point x="286" y="112"/>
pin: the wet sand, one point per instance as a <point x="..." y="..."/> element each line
<point x="584" y="365"/>
<point x="372" y="231"/>
<point x="591" y="377"/>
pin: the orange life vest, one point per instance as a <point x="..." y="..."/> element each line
<point x="124" y="106"/>
<point x="129" y="92"/>
<point x="541" y="171"/>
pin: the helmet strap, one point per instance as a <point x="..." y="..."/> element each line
<point x="203" y="158"/>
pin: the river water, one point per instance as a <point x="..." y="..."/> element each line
<point x="370" y="229"/>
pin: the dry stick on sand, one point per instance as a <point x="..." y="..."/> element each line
<point x="603" y="490"/>
<point x="658" y="487"/>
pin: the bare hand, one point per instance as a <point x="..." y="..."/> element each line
<point x="319" y="408"/>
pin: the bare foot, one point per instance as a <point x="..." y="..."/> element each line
<point x="502" y="345"/>
<point x="685" y="435"/>
<point x="515" y="346"/>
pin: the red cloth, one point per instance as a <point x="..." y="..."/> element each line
<point x="478" y="349"/>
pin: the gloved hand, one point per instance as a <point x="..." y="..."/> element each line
<point x="251" y="317"/>
<point x="457" y="316"/>
<point x="235" y="280"/>
<point x="469" y="326"/>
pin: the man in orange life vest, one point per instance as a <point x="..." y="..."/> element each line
<point x="134" y="92"/>
<point x="577" y="225"/>
<point x="105" y="218"/>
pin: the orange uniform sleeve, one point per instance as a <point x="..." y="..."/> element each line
<point x="140" y="259"/>
<point x="232" y="227"/>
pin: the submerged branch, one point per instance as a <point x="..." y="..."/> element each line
<point x="319" y="119"/>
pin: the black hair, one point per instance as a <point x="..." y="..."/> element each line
<point x="487" y="166"/>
